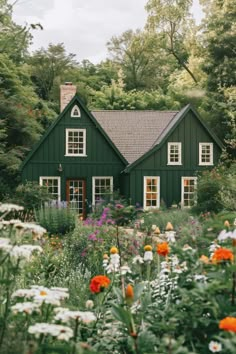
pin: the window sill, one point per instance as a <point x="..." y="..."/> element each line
<point x="175" y="164"/>
<point x="206" y="164"/>
<point x="74" y="155"/>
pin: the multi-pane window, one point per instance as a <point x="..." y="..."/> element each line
<point x="205" y="153"/>
<point x="102" y="188"/>
<point x="174" y="154"/>
<point x="151" y="192"/>
<point x="53" y="186"/>
<point x="75" y="142"/>
<point x="188" y="191"/>
<point x="75" y="112"/>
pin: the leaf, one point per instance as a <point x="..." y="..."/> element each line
<point x="138" y="289"/>
<point x="121" y="315"/>
<point x="118" y="293"/>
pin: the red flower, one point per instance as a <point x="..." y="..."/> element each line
<point x="163" y="249"/>
<point x="222" y="254"/>
<point x="98" y="283"/>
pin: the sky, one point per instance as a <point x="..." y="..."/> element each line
<point x="84" y="26"/>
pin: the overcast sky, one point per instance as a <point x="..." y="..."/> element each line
<point x="84" y="26"/>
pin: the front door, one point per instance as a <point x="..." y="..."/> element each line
<point x="75" y="195"/>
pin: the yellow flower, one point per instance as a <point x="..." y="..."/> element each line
<point x="157" y="231"/>
<point x="226" y="223"/>
<point x="169" y="226"/>
<point x="147" y="248"/>
<point x="114" y="250"/>
<point x="105" y="256"/>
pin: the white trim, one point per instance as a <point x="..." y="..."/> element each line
<point x="93" y="185"/>
<point x="84" y="142"/>
<point x="210" y="163"/>
<point x="73" y="115"/>
<point x="41" y="178"/>
<point x="182" y="189"/>
<point x="179" y="153"/>
<point x="157" y="192"/>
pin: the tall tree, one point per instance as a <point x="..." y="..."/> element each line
<point x="48" y="66"/>
<point x="171" y="19"/>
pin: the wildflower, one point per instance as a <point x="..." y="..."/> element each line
<point x="137" y="259"/>
<point x="37" y="230"/>
<point x="105" y="260"/>
<point x="60" y="332"/>
<point x="163" y="249"/>
<point x="170" y="236"/>
<point x="114" y="250"/>
<point x="204" y="259"/>
<point x="7" y="207"/>
<point x="98" y="283"/>
<point x="224" y="235"/>
<point x="89" y="304"/>
<point x="25" y="307"/>
<point x="169" y="227"/>
<point x="222" y="254"/>
<point x="148" y="256"/>
<point x="186" y="247"/>
<point x="154" y="227"/>
<point x="83" y="316"/>
<point x="215" y="347"/>
<point x="200" y="277"/>
<point x="24" y="251"/>
<point x="125" y="269"/>
<point x="228" y="324"/>
<point x="129" y="294"/>
<point x="226" y="224"/>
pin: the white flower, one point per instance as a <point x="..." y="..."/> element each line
<point x="27" y="293"/>
<point x="227" y="234"/>
<point x="105" y="263"/>
<point x="37" y="230"/>
<point x="4" y="244"/>
<point x="154" y="227"/>
<point x="138" y="260"/>
<point x="58" y="331"/>
<point x="213" y="247"/>
<point x="148" y="256"/>
<point x="112" y="268"/>
<point x="7" y="207"/>
<point x="170" y="236"/>
<point x="89" y="304"/>
<point x="200" y="277"/>
<point x="83" y="316"/>
<point x="115" y="259"/>
<point x="187" y="248"/>
<point x="25" y="251"/>
<point x="125" y="269"/>
<point x="25" y="307"/>
<point x="215" y="347"/>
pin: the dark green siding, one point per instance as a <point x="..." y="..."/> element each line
<point x="190" y="133"/>
<point x="101" y="160"/>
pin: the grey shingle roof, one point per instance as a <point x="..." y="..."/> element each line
<point x="134" y="132"/>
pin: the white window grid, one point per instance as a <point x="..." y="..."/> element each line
<point x="188" y="187"/>
<point x="75" y="142"/>
<point x="75" y="112"/>
<point x="206" y="154"/>
<point x="151" y="197"/>
<point x="102" y="188"/>
<point x="174" y="153"/>
<point x="53" y="185"/>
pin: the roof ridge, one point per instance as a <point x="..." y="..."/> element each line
<point x="133" y="110"/>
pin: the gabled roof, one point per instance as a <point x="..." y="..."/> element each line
<point x="134" y="132"/>
<point x="75" y="100"/>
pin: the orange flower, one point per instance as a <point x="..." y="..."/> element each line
<point x="222" y="254"/>
<point x="163" y="249"/>
<point x="228" y="324"/>
<point x="169" y="226"/>
<point x="114" y="250"/>
<point x="129" y="292"/>
<point x="204" y="259"/>
<point x="98" y="283"/>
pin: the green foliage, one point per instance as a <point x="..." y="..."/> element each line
<point x="57" y="220"/>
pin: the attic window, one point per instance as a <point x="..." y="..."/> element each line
<point x="205" y="154"/>
<point x="75" y="112"/>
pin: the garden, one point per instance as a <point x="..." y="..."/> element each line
<point x="123" y="280"/>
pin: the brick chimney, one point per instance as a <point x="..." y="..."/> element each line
<point x="67" y="92"/>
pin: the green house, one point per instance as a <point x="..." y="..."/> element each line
<point x="149" y="156"/>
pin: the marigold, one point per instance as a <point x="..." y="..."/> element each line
<point x="148" y="248"/>
<point x="98" y="283"/>
<point x="114" y="250"/>
<point x="163" y="249"/>
<point x="228" y="324"/>
<point x="129" y="292"/>
<point x="222" y="254"/>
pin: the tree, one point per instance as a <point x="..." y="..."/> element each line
<point x="171" y="19"/>
<point x="49" y="66"/>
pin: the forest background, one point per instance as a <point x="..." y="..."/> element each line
<point x="170" y="63"/>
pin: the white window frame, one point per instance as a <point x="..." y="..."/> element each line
<point x="42" y="178"/>
<point x="201" y="163"/>
<point x="179" y="162"/>
<point x="73" y="115"/>
<point x="84" y="142"/>
<point x="94" y="178"/>
<point x="182" y="189"/>
<point x="145" y="207"/>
